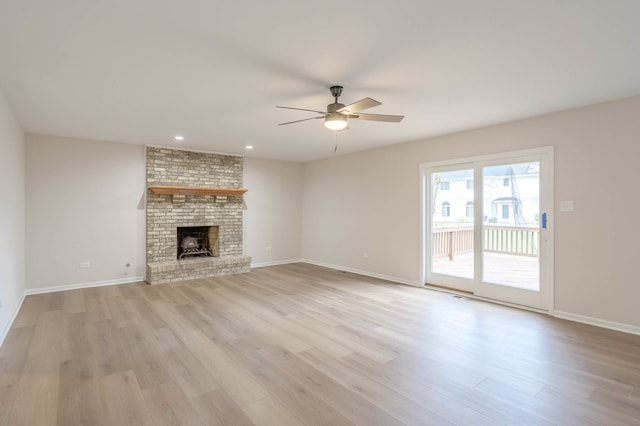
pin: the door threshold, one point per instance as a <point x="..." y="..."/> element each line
<point x="472" y="295"/>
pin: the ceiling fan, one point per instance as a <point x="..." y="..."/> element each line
<point x="335" y="118"/>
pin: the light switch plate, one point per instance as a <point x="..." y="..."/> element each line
<point x="566" y="206"/>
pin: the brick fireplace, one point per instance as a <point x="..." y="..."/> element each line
<point x="193" y="234"/>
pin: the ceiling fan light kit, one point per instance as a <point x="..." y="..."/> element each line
<point x="335" y="121"/>
<point x="335" y="118"/>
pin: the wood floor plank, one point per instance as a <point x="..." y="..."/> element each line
<point x="123" y="400"/>
<point x="145" y="313"/>
<point x="514" y="403"/>
<point x="79" y="399"/>
<point x="350" y="405"/>
<point x="53" y="301"/>
<point x="218" y="408"/>
<point x="248" y="314"/>
<point x="13" y="355"/>
<point x="171" y="293"/>
<point x="167" y="405"/>
<point x="400" y="407"/>
<point x="97" y="309"/>
<point x="317" y="337"/>
<point x="149" y="365"/>
<point x="186" y="370"/>
<point x="73" y="301"/>
<point x="75" y="341"/>
<point x="282" y="386"/>
<point x="110" y="354"/>
<point x="7" y="395"/>
<point x="356" y="343"/>
<point x="567" y="409"/>
<point x="427" y="392"/>
<point x="269" y="411"/>
<point x="32" y="307"/>
<point x="301" y="344"/>
<point x="36" y="399"/>
<point x="231" y="375"/>
<point x="214" y="323"/>
<point x="618" y="403"/>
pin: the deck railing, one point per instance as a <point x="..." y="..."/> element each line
<point x="516" y="240"/>
<point x="452" y="241"/>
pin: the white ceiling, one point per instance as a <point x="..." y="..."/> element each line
<point x="141" y="71"/>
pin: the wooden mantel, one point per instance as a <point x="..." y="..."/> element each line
<point x="188" y="190"/>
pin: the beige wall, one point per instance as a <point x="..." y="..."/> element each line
<point x="273" y="216"/>
<point x="12" y="207"/>
<point x="84" y="204"/>
<point x="368" y="202"/>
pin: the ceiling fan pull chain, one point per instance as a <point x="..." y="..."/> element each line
<point x="335" y="148"/>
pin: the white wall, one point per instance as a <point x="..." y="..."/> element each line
<point x="84" y="204"/>
<point x="12" y="207"/>
<point x="368" y="202"/>
<point x="273" y="213"/>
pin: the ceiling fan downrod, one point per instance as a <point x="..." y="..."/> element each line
<point x="336" y="91"/>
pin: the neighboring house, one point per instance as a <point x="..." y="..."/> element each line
<point x="511" y="195"/>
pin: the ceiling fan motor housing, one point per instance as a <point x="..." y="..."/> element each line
<point x="334" y="107"/>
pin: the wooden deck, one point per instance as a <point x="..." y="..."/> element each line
<point x="511" y="270"/>
<point x="303" y="345"/>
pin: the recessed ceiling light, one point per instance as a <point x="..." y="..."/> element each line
<point x="178" y="138"/>
<point x="248" y="147"/>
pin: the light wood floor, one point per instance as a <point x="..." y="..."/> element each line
<point x="298" y="345"/>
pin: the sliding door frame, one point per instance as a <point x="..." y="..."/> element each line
<point x="546" y="194"/>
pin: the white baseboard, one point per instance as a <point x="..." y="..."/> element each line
<point x="275" y="263"/>
<point x="53" y="289"/>
<point x="625" y="328"/>
<point x="361" y="272"/>
<point x="5" y="331"/>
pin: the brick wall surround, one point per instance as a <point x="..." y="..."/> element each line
<point x="166" y="212"/>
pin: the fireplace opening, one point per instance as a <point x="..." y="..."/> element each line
<point x="197" y="241"/>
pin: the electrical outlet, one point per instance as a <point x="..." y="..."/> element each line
<point x="365" y="255"/>
<point x="85" y="265"/>
<point x="268" y="248"/>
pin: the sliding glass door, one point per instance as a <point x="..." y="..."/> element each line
<point x="487" y="227"/>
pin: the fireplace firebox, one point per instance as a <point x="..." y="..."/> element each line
<point x="197" y="241"/>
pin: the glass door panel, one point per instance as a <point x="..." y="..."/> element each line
<point x="511" y="225"/>
<point x="452" y="223"/>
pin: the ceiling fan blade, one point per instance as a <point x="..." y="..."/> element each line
<point x="360" y="105"/>
<point x="302" y="109"/>
<point x="298" y="121"/>
<point x="378" y="117"/>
